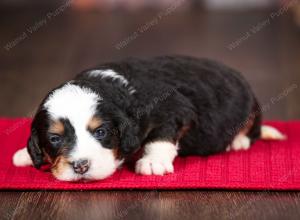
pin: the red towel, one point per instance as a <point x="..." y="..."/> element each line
<point x="267" y="165"/>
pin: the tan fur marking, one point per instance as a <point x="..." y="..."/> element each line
<point x="59" y="165"/>
<point x="57" y="127"/>
<point x="183" y="131"/>
<point x="247" y="126"/>
<point x="116" y="152"/>
<point x="94" y="123"/>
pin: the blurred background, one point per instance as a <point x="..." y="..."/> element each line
<point x="44" y="43"/>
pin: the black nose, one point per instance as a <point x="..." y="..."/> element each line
<point x="81" y="166"/>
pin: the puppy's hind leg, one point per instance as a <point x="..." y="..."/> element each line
<point x="240" y="142"/>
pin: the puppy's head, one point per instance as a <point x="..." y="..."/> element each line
<point x="81" y="134"/>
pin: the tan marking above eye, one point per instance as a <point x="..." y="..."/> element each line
<point x="94" y="123"/>
<point x="57" y="127"/>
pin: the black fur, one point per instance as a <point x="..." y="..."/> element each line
<point x="173" y="91"/>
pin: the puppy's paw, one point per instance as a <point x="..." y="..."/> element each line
<point x="154" y="166"/>
<point x="21" y="158"/>
<point x="158" y="158"/>
<point x="241" y="142"/>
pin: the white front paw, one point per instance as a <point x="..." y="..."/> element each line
<point x="153" y="166"/>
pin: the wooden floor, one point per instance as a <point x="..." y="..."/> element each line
<point x="69" y="42"/>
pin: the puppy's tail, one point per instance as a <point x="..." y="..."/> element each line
<point x="271" y="133"/>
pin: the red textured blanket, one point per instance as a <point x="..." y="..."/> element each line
<point x="267" y="165"/>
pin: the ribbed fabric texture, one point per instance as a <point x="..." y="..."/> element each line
<point x="268" y="165"/>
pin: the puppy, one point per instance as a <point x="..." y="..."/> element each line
<point x="165" y="106"/>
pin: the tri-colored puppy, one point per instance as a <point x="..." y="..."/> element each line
<point x="166" y="106"/>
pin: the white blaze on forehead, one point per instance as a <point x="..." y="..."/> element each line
<point x="113" y="75"/>
<point x="74" y="103"/>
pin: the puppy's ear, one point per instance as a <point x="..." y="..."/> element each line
<point x="129" y="140"/>
<point x="34" y="150"/>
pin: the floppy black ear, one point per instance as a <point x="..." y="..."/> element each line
<point x="129" y="140"/>
<point x="34" y="150"/>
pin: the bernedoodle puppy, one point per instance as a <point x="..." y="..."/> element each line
<point x="163" y="107"/>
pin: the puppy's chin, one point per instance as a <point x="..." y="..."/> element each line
<point x="63" y="171"/>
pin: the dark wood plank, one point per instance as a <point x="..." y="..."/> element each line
<point x="151" y="205"/>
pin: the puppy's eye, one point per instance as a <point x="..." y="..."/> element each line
<point x="100" y="133"/>
<point x="55" y="139"/>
